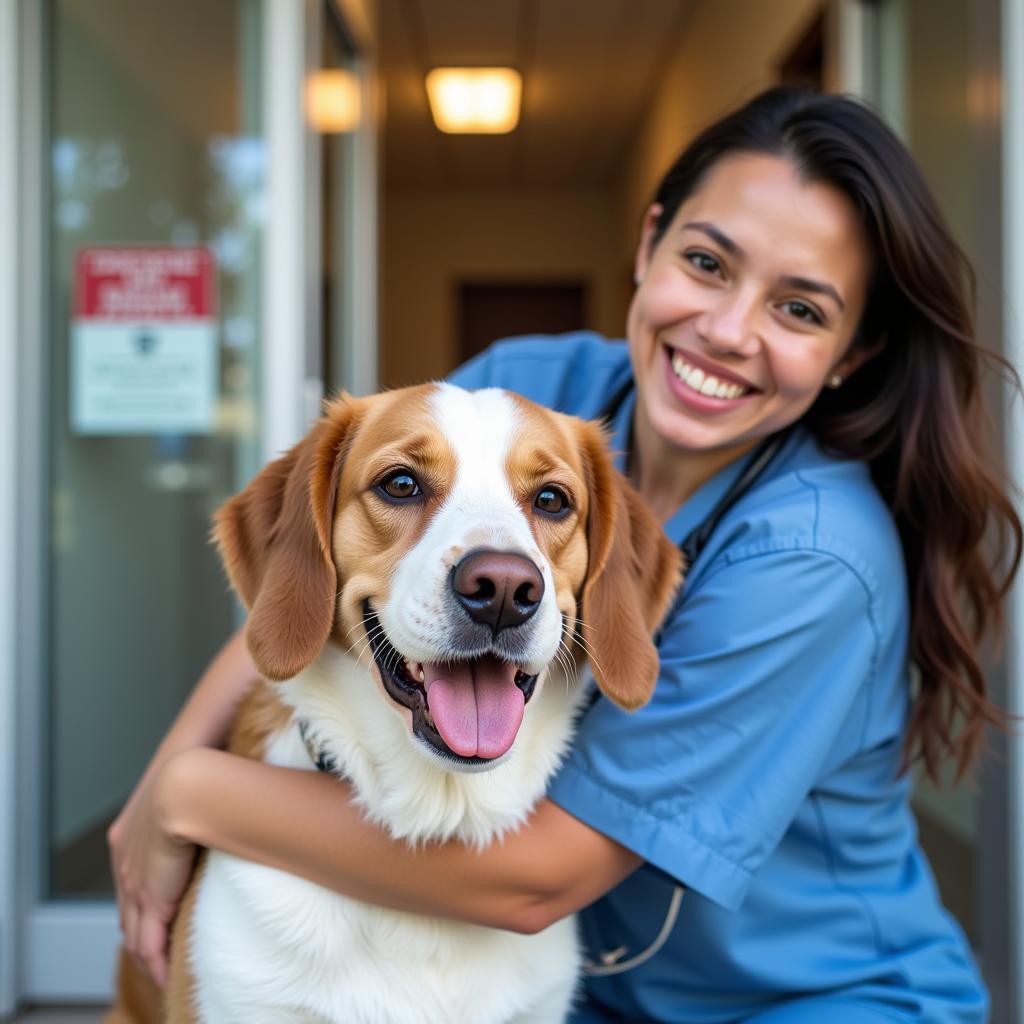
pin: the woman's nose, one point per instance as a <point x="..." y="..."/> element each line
<point x="730" y="325"/>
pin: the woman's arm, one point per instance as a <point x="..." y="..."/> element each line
<point x="304" y="823"/>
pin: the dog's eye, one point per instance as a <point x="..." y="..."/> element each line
<point x="551" y="500"/>
<point x="401" y="484"/>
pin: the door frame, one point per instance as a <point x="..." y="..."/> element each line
<point x="10" y="80"/>
<point x="1009" y="860"/>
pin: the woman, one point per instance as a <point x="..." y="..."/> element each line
<point x="795" y="281"/>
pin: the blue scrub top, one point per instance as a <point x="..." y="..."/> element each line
<point x="763" y="775"/>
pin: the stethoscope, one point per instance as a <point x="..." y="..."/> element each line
<point x="610" y="962"/>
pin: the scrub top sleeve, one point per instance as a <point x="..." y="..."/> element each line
<point x="761" y="670"/>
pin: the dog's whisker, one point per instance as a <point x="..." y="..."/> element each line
<point x="580" y="638"/>
<point x="589" y="651"/>
<point x="353" y="628"/>
<point x="564" y="656"/>
<point x="563" y="665"/>
<point x="368" y="638"/>
<point x="363" y="645"/>
<point x="561" y="653"/>
<point x="366" y="641"/>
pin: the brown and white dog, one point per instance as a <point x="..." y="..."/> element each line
<point x="420" y="572"/>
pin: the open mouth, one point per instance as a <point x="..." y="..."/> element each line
<point x="467" y="709"/>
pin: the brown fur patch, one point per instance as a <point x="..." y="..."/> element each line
<point x="138" y="1000"/>
<point x="261" y="715"/>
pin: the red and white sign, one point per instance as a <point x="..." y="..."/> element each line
<point x="144" y="333"/>
<point x="145" y="284"/>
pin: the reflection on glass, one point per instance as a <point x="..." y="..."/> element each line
<point x="156" y="141"/>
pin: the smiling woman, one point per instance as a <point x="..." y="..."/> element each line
<point x="796" y="286"/>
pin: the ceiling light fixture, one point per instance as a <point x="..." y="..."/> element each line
<point x="475" y="100"/>
<point x="333" y="101"/>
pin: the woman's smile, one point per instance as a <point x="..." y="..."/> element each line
<point x="702" y="385"/>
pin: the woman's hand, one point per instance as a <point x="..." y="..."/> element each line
<point x="151" y="868"/>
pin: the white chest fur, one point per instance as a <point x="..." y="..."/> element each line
<point x="267" y="946"/>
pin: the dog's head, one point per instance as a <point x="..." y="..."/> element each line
<point x="466" y="541"/>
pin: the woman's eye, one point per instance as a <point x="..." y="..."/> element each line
<point x="802" y="311"/>
<point x="551" y="500"/>
<point x="704" y="261"/>
<point x="400" y="485"/>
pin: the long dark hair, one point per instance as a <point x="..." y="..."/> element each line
<point x="913" y="411"/>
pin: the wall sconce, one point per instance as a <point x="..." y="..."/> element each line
<point x="475" y="100"/>
<point x="333" y="101"/>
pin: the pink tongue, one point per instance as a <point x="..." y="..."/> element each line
<point x="476" y="706"/>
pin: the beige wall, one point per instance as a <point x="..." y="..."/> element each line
<point x="435" y="238"/>
<point x="729" y="53"/>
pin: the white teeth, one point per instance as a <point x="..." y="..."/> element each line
<point x="414" y="671"/>
<point x="705" y="383"/>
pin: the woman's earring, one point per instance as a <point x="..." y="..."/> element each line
<point x="835" y="381"/>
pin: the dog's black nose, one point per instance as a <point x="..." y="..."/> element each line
<point x="498" y="589"/>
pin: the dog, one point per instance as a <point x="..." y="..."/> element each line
<point x="423" y="573"/>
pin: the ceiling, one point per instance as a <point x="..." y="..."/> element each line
<point x="589" y="68"/>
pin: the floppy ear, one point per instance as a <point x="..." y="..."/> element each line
<point x="275" y="540"/>
<point x="633" y="571"/>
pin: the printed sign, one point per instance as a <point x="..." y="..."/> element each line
<point x="144" y="341"/>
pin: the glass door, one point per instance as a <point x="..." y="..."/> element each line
<point x="150" y="416"/>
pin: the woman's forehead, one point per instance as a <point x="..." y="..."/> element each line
<point x="770" y="212"/>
